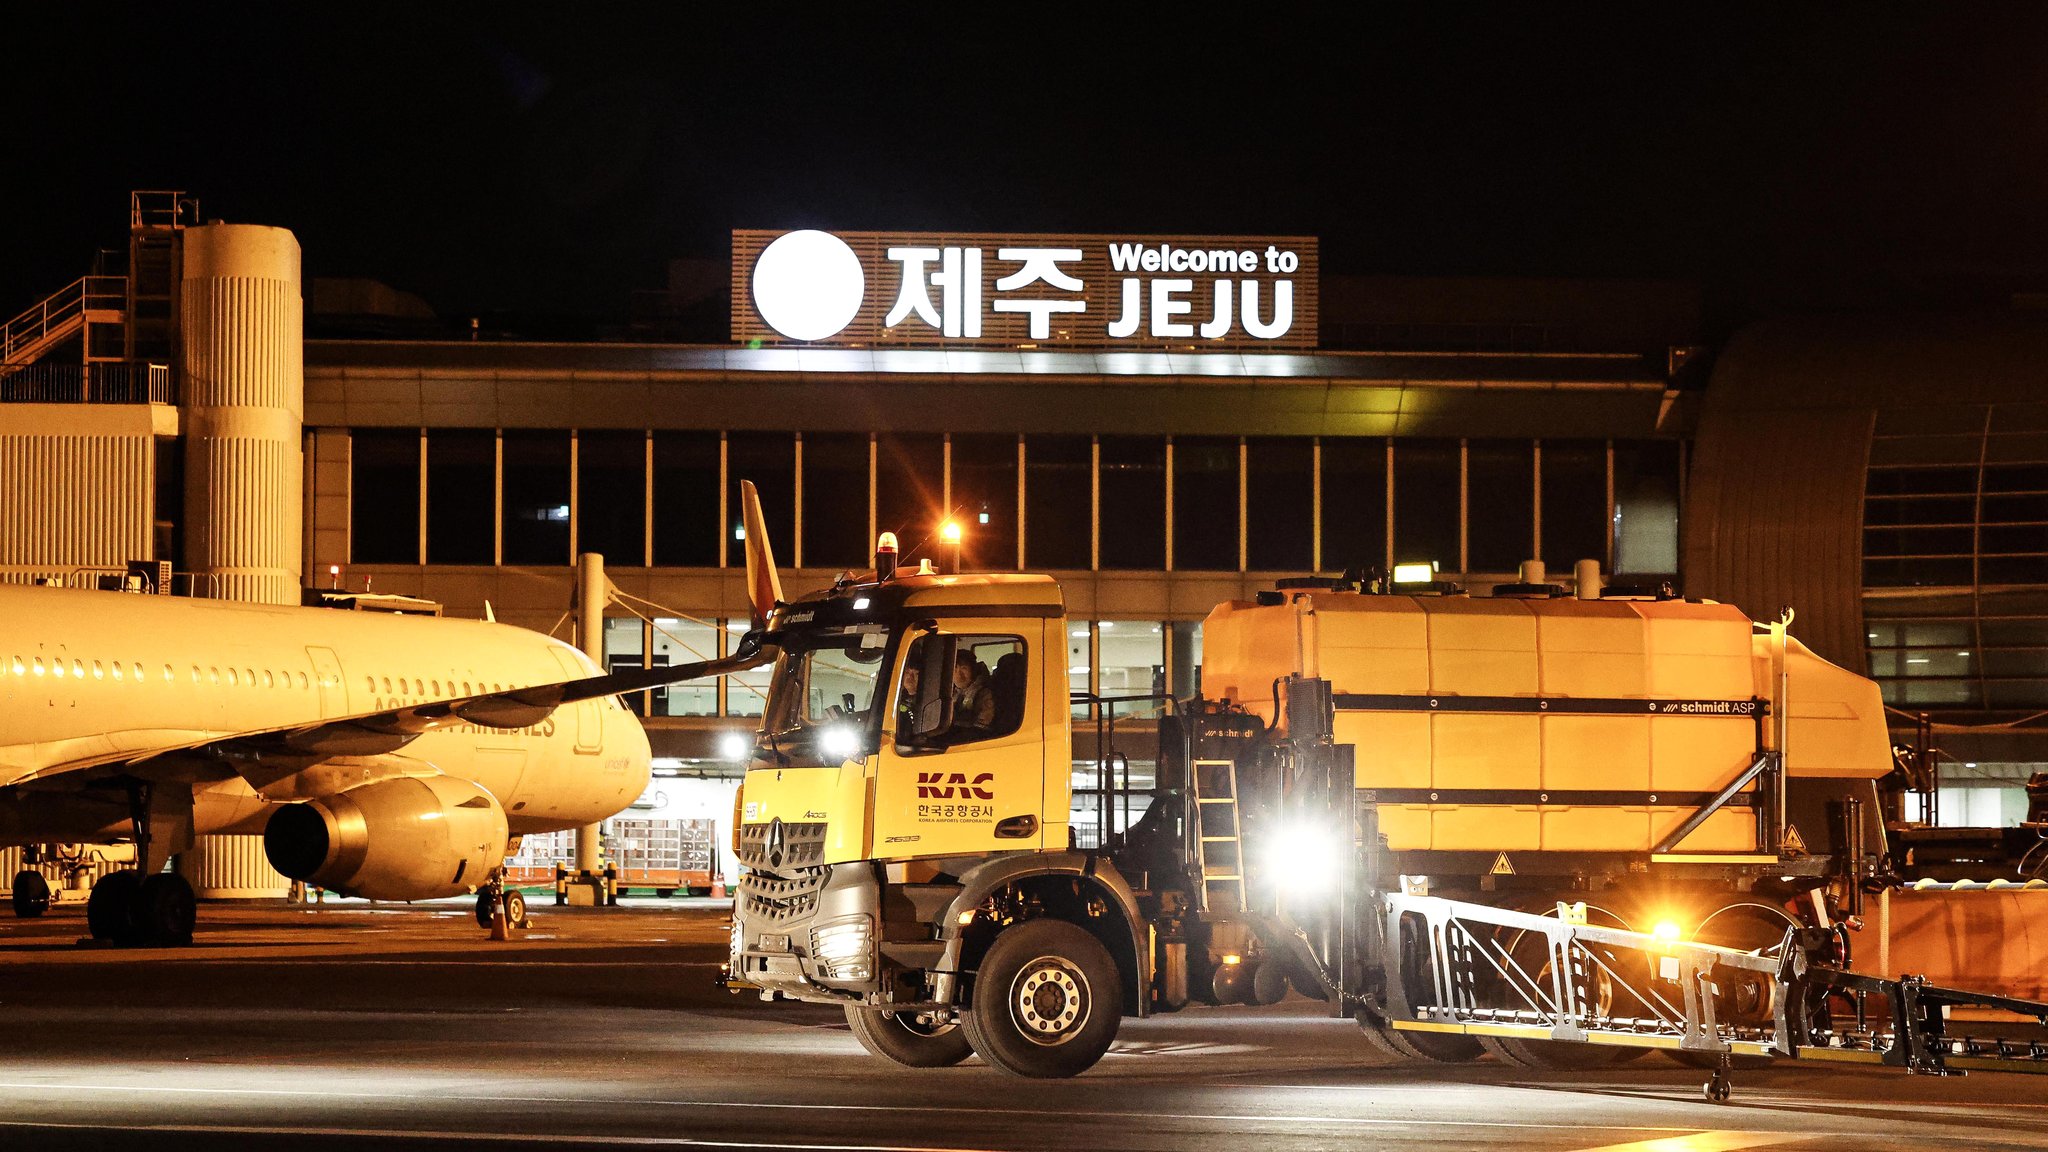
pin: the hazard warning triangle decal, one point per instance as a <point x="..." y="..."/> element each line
<point x="1501" y="867"/>
<point x="1795" y="844"/>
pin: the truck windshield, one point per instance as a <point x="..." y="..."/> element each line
<point x="823" y="695"/>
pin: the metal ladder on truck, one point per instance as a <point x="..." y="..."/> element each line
<point x="1219" y="837"/>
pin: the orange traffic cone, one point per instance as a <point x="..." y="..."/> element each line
<point x="718" y="891"/>
<point x="501" y="928"/>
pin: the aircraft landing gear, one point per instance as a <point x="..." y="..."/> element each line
<point x="129" y="910"/>
<point x="495" y="894"/>
<point x="31" y="894"/>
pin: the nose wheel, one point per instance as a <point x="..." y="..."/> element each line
<point x="495" y="896"/>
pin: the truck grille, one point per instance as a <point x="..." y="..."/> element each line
<point x="767" y="899"/>
<point x="777" y="845"/>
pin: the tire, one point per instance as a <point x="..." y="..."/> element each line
<point x="1554" y="1055"/>
<point x="165" y="910"/>
<point x="31" y="894"/>
<point x="515" y="908"/>
<point x="1425" y="1047"/>
<point x="1309" y="987"/>
<point x="110" y="910"/>
<point x="1558" y="1055"/>
<point x="1269" y="983"/>
<point x="1047" y="1001"/>
<point x="486" y="908"/>
<point x="902" y="1038"/>
<point x="1749" y="926"/>
<point x="1229" y="985"/>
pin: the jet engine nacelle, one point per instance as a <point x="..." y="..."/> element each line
<point x="410" y="838"/>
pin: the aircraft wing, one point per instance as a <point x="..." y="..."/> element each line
<point x="382" y="732"/>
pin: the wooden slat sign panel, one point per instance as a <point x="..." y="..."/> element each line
<point x="979" y="290"/>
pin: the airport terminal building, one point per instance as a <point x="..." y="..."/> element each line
<point x="1163" y="423"/>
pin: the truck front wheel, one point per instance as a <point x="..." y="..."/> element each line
<point x="1047" y="1001"/>
<point x="906" y="1039"/>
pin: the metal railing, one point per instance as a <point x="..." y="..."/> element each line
<point x="54" y="315"/>
<point x="115" y="382"/>
<point x="150" y="208"/>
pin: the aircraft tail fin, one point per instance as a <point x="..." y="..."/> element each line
<point x="764" y="584"/>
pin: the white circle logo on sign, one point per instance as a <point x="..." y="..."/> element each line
<point x="808" y="285"/>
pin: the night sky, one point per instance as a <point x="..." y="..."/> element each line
<point x="554" y="160"/>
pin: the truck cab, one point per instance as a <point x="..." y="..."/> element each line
<point x="907" y="801"/>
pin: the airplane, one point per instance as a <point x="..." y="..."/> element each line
<point x="381" y="756"/>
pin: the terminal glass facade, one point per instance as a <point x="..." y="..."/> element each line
<point x="1260" y="504"/>
<point x="1955" y="567"/>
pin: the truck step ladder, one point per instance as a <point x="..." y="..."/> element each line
<point x="1219" y="844"/>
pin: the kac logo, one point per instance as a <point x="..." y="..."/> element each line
<point x="953" y="785"/>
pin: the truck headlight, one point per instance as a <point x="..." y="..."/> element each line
<point x="1303" y="859"/>
<point x="842" y="949"/>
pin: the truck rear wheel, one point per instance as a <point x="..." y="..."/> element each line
<point x="1047" y="1001"/>
<point x="907" y="1040"/>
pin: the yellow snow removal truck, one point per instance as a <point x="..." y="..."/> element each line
<point x="1563" y="828"/>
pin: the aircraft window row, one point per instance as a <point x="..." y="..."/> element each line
<point x="428" y="687"/>
<point x="246" y="677"/>
<point x="131" y="672"/>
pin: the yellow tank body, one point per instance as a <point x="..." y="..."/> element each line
<point x="1685" y="661"/>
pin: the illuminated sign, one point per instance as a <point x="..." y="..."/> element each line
<point x="1010" y="291"/>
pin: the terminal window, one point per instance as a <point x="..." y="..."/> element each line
<point x="1205" y="501"/>
<point x="1133" y="502"/>
<point x="686" y="499"/>
<point x="985" y="499"/>
<point x="1426" y="507"/>
<point x="1354" y="503"/>
<point x="536" y="497"/>
<point x="1500" y="496"/>
<point x="1574" y="503"/>
<point x="769" y="460"/>
<point x="462" y="487"/>
<point x="384" y="496"/>
<point x="1058" y="498"/>
<point x="835" y="520"/>
<point x="611" y="496"/>
<point x="1280" y="503"/>
<point x="910" y="489"/>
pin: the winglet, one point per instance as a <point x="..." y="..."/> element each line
<point x="764" y="584"/>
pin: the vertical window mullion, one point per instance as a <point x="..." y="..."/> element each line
<point x="1094" y="513"/>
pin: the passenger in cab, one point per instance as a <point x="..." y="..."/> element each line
<point x="974" y="706"/>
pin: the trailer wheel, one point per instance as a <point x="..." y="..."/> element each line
<point x="1429" y="1047"/>
<point x="1047" y="1001"/>
<point x="906" y="1039"/>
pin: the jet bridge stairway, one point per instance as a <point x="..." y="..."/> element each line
<point x="1474" y="970"/>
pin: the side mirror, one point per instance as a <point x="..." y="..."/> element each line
<point x="930" y="714"/>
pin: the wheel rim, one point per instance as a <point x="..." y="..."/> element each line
<point x="1050" y="1000"/>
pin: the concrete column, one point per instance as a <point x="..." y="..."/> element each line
<point x="590" y="602"/>
<point x="243" y="394"/>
